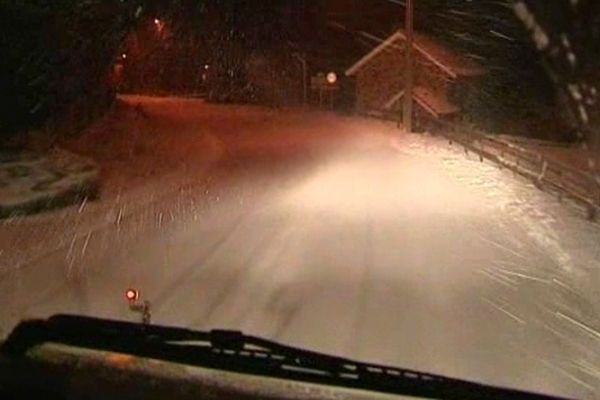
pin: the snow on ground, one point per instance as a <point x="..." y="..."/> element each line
<point x="148" y="156"/>
<point x="336" y="233"/>
<point x="556" y="229"/>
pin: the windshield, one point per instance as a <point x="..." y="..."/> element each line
<point x="412" y="183"/>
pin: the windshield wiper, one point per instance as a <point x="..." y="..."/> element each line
<point x="236" y="352"/>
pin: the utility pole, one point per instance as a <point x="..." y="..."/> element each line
<point x="409" y="68"/>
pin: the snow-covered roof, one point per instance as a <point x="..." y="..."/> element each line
<point x="447" y="60"/>
<point x="435" y="105"/>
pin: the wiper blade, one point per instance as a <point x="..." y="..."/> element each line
<point x="234" y="351"/>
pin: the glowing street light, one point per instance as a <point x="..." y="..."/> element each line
<point x="124" y="56"/>
<point x="159" y="25"/>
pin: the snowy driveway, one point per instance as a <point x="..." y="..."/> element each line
<point x="344" y="236"/>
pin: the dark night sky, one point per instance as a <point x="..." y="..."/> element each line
<point x="328" y="31"/>
<point x="373" y="15"/>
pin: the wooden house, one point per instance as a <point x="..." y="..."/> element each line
<point x="440" y="74"/>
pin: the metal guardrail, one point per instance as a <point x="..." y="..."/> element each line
<point x="545" y="173"/>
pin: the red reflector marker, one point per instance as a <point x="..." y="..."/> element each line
<point x="132" y="294"/>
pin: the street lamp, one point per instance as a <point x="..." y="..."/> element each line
<point x="408" y="68"/>
<point x="304" y="77"/>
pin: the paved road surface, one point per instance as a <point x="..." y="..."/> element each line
<point x="390" y="249"/>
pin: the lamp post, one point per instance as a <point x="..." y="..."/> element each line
<point x="409" y="68"/>
<point x="304" y="78"/>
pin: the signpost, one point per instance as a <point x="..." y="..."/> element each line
<point x="325" y="84"/>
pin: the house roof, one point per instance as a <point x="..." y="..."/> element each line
<point x="435" y="105"/>
<point x="444" y="58"/>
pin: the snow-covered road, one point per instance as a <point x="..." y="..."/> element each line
<point x="345" y="236"/>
